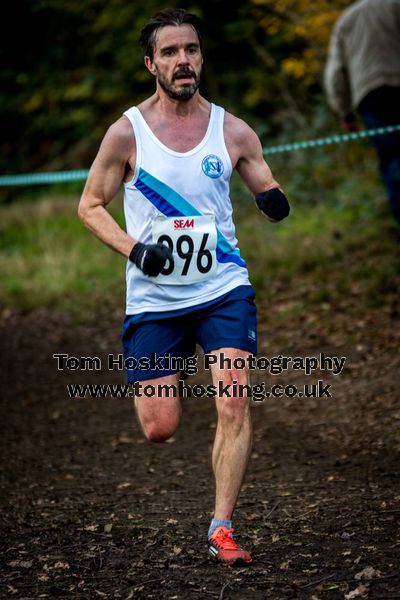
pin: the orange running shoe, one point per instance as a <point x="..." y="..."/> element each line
<point x="222" y="548"/>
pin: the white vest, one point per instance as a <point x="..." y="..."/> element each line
<point x="179" y="185"/>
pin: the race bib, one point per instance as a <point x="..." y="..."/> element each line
<point x="192" y="241"/>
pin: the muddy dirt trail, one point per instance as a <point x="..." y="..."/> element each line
<point x="90" y="509"/>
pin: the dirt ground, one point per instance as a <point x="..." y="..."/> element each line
<point x="90" y="509"/>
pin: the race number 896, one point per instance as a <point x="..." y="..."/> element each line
<point x="192" y="243"/>
<point x="185" y="250"/>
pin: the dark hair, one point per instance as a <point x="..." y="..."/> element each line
<point x="169" y="16"/>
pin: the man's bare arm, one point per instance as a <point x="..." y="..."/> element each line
<point x="251" y="166"/>
<point x="117" y="151"/>
<point x="104" y="180"/>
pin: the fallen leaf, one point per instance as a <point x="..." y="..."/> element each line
<point x="25" y="564"/>
<point x="125" y="439"/>
<point x="124" y="485"/>
<point x="12" y="589"/>
<point x="108" y="527"/>
<point x="367" y="573"/>
<point x="91" y="528"/>
<point x="360" y="591"/>
<point x="253" y="516"/>
<point x="60" y="565"/>
<point x="13" y="563"/>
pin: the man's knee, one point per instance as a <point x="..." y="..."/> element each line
<point x="159" y="418"/>
<point x="233" y="411"/>
<point x="158" y="433"/>
<point x="233" y="406"/>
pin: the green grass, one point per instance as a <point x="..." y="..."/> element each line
<point x="48" y="258"/>
<point x="338" y="248"/>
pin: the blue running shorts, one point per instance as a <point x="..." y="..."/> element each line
<point x="149" y="339"/>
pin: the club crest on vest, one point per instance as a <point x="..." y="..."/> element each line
<point x="212" y="166"/>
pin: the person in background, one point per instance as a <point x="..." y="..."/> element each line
<point x="362" y="74"/>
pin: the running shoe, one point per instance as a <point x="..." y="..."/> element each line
<point x="224" y="549"/>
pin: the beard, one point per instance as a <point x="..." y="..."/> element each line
<point x="186" y="92"/>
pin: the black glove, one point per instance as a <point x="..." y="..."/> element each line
<point x="274" y="204"/>
<point x="150" y="258"/>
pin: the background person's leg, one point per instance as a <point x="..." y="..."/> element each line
<point x="380" y="108"/>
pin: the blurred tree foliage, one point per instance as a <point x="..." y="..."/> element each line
<point x="71" y="67"/>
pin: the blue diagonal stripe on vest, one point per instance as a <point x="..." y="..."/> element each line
<point x="172" y="204"/>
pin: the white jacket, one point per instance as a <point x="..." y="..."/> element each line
<point x="364" y="53"/>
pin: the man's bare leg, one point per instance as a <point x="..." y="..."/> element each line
<point x="233" y="438"/>
<point x="159" y="416"/>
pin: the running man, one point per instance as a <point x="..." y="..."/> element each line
<point x="186" y="281"/>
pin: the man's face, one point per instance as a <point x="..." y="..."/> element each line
<point x="177" y="61"/>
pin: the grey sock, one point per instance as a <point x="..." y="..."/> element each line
<point x="219" y="523"/>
